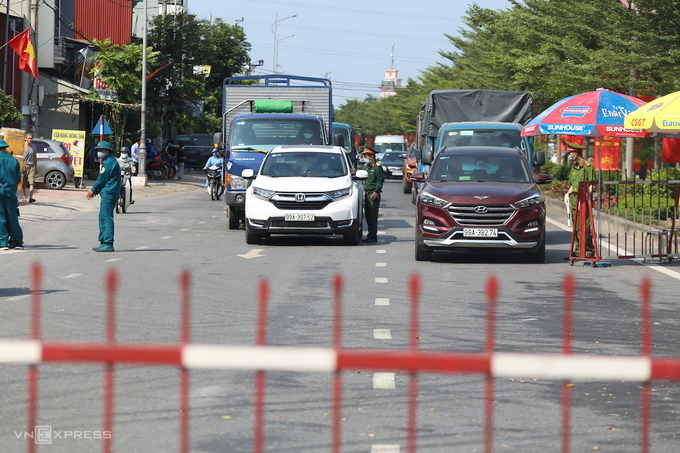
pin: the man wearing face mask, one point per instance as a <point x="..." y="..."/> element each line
<point x="127" y="164"/>
<point x="372" y="188"/>
<point x="582" y="171"/>
<point x="107" y="186"/>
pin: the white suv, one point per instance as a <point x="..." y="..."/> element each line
<point x="305" y="190"/>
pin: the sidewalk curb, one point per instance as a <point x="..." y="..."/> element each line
<point x="53" y="204"/>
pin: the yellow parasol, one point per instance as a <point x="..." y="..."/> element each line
<point x="660" y="115"/>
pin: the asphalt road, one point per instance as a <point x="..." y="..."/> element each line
<point x="175" y="227"/>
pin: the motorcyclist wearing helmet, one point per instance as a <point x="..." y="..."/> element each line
<point x="107" y="186"/>
<point x="127" y="164"/>
<point x="215" y="159"/>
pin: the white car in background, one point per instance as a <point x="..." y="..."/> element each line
<point x="305" y="190"/>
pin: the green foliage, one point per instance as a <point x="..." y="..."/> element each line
<point x="8" y="111"/>
<point x="552" y="49"/>
<point x="187" y="100"/>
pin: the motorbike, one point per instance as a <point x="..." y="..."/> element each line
<point x="158" y="169"/>
<point x="125" y="199"/>
<point x="214" y="181"/>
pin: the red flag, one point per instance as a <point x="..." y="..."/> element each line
<point x="607" y="153"/>
<point x="23" y="46"/>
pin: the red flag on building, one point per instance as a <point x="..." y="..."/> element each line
<point x="23" y="46"/>
<point x="607" y="153"/>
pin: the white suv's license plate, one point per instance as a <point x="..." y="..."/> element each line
<point x="299" y="217"/>
<point x="480" y="232"/>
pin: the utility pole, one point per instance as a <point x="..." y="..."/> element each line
<point x="248" y="68"/>
<point x="141" y="178"/>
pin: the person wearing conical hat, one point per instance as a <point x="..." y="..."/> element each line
<point x="107" y="186"/>
<point x="10" y="176"/>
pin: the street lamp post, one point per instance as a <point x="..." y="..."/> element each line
<point x="141" y="178"/>
<point x="275" y="30"/>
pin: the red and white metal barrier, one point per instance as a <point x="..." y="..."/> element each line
<point x="262" y="358"/>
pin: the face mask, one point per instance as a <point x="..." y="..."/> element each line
<point x="363" y="160"/>
<point x="324" y="166"/>
<point x="123" y="155"/>
<point x="307" y="135"/>
<point x="101" y="154"/>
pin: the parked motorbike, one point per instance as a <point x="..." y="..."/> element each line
<point x="157" y="169"/>
<point x="214" y="176"/>
<point x="125" y="199"/>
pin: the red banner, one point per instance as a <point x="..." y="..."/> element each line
<point x="671" y="150"/>
<point x="23" y="46"/>
<point x="575" y="139"/>
<point x="607" y="153"/>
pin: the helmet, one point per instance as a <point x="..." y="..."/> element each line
<point x="125" y="149"/>
<point x="104" y="145"/>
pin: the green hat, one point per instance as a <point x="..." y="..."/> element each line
<point x="369" y="150"/>
<point x="574" y="147"/>
<point x="3" y="144"/>
<point x="104" y="145"/>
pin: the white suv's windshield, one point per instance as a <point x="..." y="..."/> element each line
<point x="471" y="167"/>
<point x="308" y="163"/>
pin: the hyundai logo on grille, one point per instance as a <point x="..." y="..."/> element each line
<point x="481" y="209"/>
<point x="300" y="197"/>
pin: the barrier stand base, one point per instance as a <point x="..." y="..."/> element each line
<point x="597" y="264"/>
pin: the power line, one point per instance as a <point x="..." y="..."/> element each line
<point x="358" y="11"/>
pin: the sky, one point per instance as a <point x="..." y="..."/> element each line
<point x="351" y="42"/>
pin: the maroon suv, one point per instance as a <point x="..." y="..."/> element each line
<point x="481" y="198"/>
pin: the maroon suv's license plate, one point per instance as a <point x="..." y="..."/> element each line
<point x="480" y="232"/>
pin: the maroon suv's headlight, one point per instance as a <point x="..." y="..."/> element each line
<point x="534" y="200"/>
<point x="431" y="200"/>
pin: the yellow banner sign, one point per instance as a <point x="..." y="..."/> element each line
<point x="75" y="143"/>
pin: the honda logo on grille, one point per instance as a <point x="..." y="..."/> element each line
<point x="481" y="209"/>
<point x="300" y="197"/>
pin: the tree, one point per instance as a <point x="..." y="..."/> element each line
<point x="120" y="68"/>
<point x="8" y="111"/>
<point x="187" y="99"/>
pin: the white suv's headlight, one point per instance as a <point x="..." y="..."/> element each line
<point x="263" y="193"/>
<point x="533" y="200"/>
<point x="342" y="193"/>
<point x="431" y="200"/>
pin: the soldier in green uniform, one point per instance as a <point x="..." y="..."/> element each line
<point x="582" y="171"/>
<point x="372" y="188"/>
<point x="10" y="175"/>
<point x="107" y="186"/>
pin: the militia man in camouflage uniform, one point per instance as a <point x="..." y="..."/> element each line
<point x="372" y="188"/>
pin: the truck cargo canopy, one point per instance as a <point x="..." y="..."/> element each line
<point x="447" y="106"/>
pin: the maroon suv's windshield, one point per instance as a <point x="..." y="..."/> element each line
<point x="473" y="167"/>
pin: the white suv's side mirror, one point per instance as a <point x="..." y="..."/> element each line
<point x="248" y="173"/>
<point x="361" y="174"/>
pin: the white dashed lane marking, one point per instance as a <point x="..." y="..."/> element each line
<point x="73" y="275"/>
<point x="380" y="264"/>
<point x="383" y="381"/>
<point x="381" y="280"/>
<point x="381" y="251"/>
<point x="382" y="301"/>
<point x="166" y="237"/>
<point x="382" y="334"/>
<point x="112" y="260"/>
<point x="384" y="448"/>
